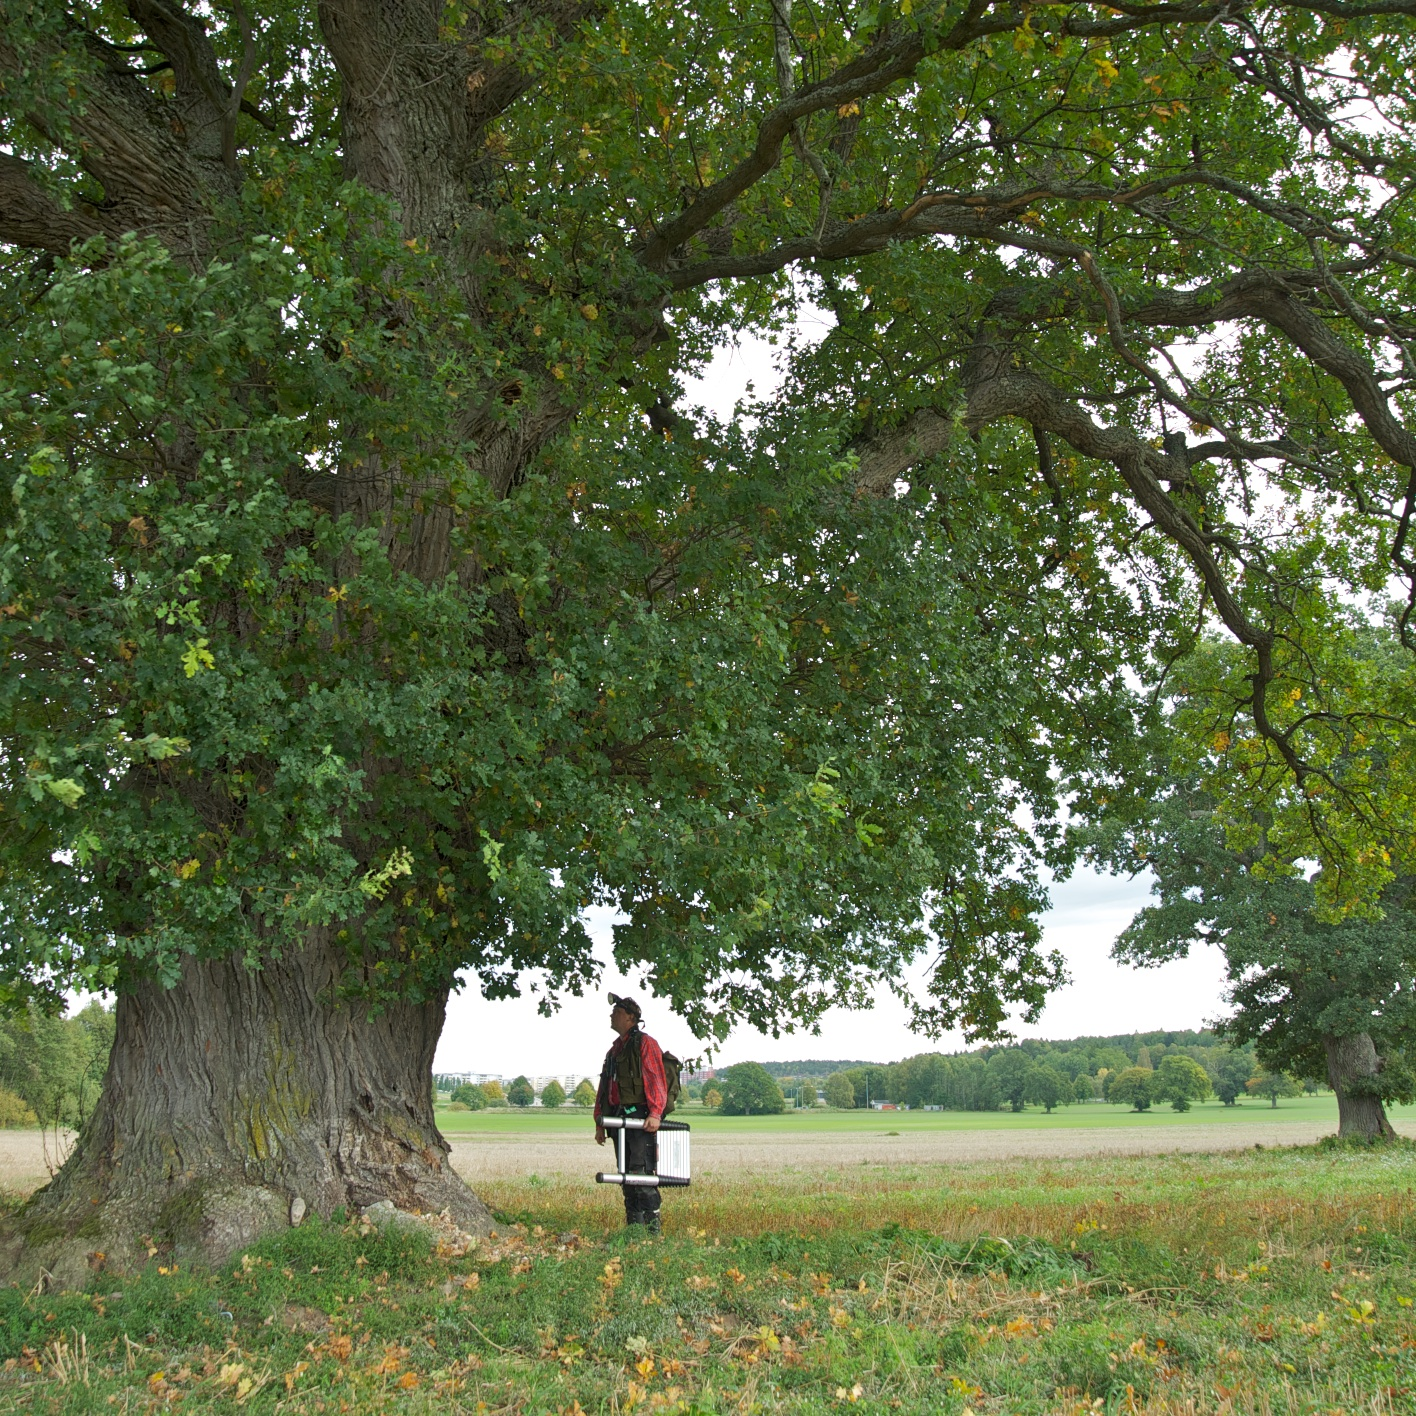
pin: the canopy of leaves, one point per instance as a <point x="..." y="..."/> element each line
<point x="1046" y="1088"/>
<point x="1134" y="1088"/>
<point x="357" y="573"/>
<point x="470" y="1095"/>
<point x="1297" y="978"/>
<point x="748" y="1090"/>
<point x="1180" y="1081"/>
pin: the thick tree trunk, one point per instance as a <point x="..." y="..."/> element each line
<point x="1353" y="1065"/>
<point x="229" y="1098"/>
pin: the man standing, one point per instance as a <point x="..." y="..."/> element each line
<point x="632" y="1083"/>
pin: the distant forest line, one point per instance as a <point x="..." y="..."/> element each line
<point x="1043" y="1072"/>
<point x="1129" y="1043"/>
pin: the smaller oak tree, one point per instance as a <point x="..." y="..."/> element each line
<point x="1132" y="1088"/>
<point x="1273" y="1085"/>
<point x="1181" y="1080"/>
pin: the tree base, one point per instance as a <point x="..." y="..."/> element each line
<point x="235" y="1103"/>
<point x="1353" y="1070"/>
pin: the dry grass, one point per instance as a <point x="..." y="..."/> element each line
<point x="1192" y="1201"/>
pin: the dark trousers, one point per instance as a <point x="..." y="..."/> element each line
<point x="641" y="1157"/>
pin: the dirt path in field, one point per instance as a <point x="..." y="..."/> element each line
<point x="493" y="1157"/>
<point x="22" y="1153"/>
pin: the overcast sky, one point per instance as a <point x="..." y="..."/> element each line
<point x="1087" y="913"/>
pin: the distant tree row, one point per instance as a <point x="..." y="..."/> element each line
<point x="1180" y="1068"/>
<point x="473" y="1096"/>
<point x="1051" y="1075"/>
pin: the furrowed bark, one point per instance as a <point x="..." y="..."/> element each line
<point x="233" y="1094"/>
<point x="1353" y="1066"/>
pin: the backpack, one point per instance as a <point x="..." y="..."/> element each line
<point x="673" y="1073"/>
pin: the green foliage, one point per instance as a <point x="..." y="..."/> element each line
<point x="747" y="1089"/>
<point x="15" y="1111"/>
<point x="1298" y="979"/>
<point x="1273" y="1085"/>
<point x="1042" y="1086"/>
<point x="1180" y="1080"/>
<point x="348" y="580"/>
<point x="972" y="1081"/>
<point x="241" y="705"/>
<point x="520" y="1092"/>
<point x="553" y="1094"/>
<point x="1008" y="1071"/>
<point x="584" y="1094"/>
<point x="54" y="1065"/>
<point x="470" y="1095"/>
<point x="1233" y="1076"/>
<point x="1134" y="1087"/>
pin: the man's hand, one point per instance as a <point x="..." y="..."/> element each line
<point x="651" y="1124"/>
<point x="599" y="1135"/>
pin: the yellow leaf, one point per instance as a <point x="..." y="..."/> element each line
<point x="197" y="658"/>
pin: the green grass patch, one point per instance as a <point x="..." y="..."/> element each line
<point x="1310" y="1110"/>
<point x="1276" y="1282"/>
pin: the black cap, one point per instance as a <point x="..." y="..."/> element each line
<point x="628" y="1004"/>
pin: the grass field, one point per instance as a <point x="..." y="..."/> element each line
<point x="1321" y="1110"/>
<point x="1279" y="1281"/>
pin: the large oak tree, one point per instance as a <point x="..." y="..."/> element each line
<point x="371" y="604"/>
